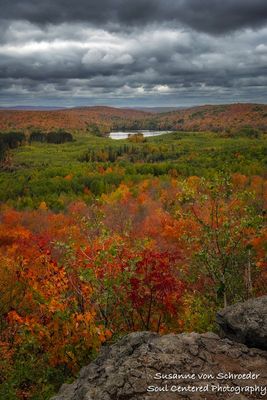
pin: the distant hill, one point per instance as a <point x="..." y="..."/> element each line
<point x="216" y="117"/>
<point x="32" y="108"/>
<point x="81" y="119"/>
<point x="157" y="109"/>
<point x="100" y="119"/>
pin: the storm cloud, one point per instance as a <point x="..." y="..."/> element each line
<point x="122" y="52"/>
<point x="205" y="15"/>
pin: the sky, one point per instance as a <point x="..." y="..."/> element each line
<point x="132" y="52"/>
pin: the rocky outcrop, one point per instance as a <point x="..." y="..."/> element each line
<point x="145" y="365"/>
<point x="139" y="367"/>
<point x="246" y="322"/>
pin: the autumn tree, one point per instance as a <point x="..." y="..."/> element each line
<point x="228" y="223"/>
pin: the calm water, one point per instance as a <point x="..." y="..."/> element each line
<point x="124" y="135"/>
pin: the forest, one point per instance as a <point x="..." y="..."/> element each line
<point x="227" y="118"/>
<point x="101" y="237"/>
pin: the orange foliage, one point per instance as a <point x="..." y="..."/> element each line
<point x="70" y="281"/>
<point x="203" y="118"/>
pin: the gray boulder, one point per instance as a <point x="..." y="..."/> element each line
<point x="147" y="366"/>
<point x="245" y="322"/>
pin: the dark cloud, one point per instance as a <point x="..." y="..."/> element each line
<point x="213" y="16"/>
<point x="129" y="52"/>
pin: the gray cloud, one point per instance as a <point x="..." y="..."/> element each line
<point x="205" y="15"/>
<point x="150" y="52"/>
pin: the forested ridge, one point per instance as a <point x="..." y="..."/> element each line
<point x="221" y="118"/>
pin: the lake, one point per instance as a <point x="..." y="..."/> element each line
<point x="124" y="135"/>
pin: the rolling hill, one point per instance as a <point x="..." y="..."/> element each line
<point x="217" y="117"/>
<point x="203" y="118"/>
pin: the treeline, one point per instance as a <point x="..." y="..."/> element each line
<point x="146" y="152"/>
<point x="153" y="123"/>
<point x="10" y="140"/>
<point x="245" y="131"/>
<point x="56" y="137"/>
